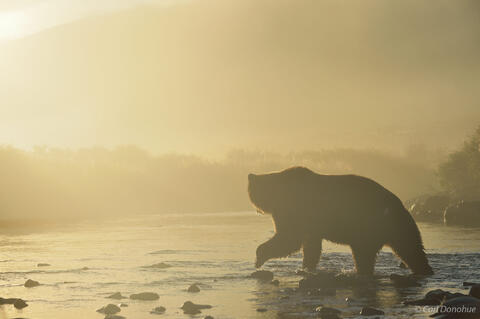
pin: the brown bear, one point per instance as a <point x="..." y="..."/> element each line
<point x="307" y="207"/>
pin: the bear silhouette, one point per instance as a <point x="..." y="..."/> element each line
<point x="307" y="207"/>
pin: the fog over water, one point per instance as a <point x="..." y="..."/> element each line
<point x="61" y="183"/>
<point x="128" y="129"/>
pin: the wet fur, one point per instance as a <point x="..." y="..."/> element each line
<point x="347" y="209"/>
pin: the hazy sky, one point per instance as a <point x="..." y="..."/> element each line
<point x="22" y="17"/>
<point x="207" y="76"/>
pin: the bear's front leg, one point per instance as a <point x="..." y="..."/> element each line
<point x="280" y="245"/>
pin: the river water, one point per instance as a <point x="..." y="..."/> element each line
<point x="90" y="261"/>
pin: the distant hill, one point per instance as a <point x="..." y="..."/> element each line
<point x="208" y="75"/>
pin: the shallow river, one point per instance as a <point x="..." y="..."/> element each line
<point x="90" y="261"/>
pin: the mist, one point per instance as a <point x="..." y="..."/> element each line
<point x="65" y="185"/>
<point x="203" y="77"/>
<point x="137" y="138"/>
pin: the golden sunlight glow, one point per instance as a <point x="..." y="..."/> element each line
<point x="33" y="16"/>
<point x="139" y="137"/>
<point x="13" y="24"/>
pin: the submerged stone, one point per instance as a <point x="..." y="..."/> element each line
<point x="189" y="307"/>
<point x="116" y="295"/>
<point x="145" y="296"/>
<point x="31" y="283"/>
<point x="442" y="295"/>
<point x="193" y="288"/>
<point x="43" y="265"/>
<point x="158" y="266"/>
<point x="324" y="311"/>
<point x="20" y="304"/>
<point x="263" y="275"/>
<point x="109" y="309"/>
<point x="368" y="311"/>
<point x="275" y="282"/>
<point x="7" y="301"/>
<point x="158" y="310"/>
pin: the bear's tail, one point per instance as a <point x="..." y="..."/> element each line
<point x="407" y="244"/>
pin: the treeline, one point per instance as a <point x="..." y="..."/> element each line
<point x="459" y="175"/>
<point x="61" y="183"/>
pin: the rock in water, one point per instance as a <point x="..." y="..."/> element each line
<point x="460" y="307"/>
<point x="43" y="265"/>
<point x="114" y="317"/>
<point x="437" y="294"/>
<point x="327" y="311"/>
<point x="275" y="282"/>
<point x="467" y="283"/>
<point x="367" y="311"/>
<point x="263" y="275"/>
<point x="193" y="288"/>
<point x="7" y="301"/>
<point x="116" y="295"/>
<point x="208" y="317"/>
<point x="158" y="266"/>
<point x="158" y="310"/>
<point x="442" y="295"/>
<point x="262" y="309"/>
<point x="31" y="283"/>
<point x="20" y="304"/>
<point x="110" y="309"/>
<point x="190" y="308"/>
<point x="145" y="296"/>
<point x="475" y="291"/>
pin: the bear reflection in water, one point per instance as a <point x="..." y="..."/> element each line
<point x="347" y="209"/>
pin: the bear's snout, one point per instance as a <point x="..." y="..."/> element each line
<point x="251" y="192"/>
<point x="250" y="182"/>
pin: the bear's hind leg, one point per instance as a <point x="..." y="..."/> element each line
<point x="312" y="250"/>
<point x="365" y="257"/>
<point x="280" y="245"/>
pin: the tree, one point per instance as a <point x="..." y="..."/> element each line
<point x="460" y="174"/>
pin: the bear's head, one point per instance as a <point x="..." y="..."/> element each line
<point x="279" y="191"/>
